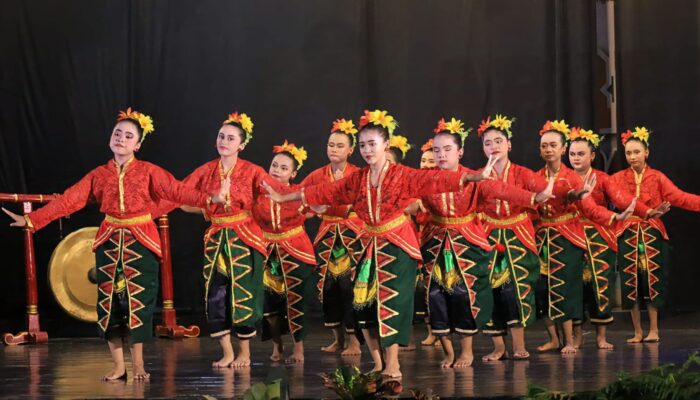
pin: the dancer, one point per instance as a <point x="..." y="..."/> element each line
<point x="290" y="266"/>
<point x="334" y="243"/>
<point x="643" y="243"/>
<point x="127" y="244"/>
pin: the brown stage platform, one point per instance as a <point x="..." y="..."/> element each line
<point x="71" y="368"/>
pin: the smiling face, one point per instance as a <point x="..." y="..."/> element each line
<point x="447" y="152"/>
<point x="229" y="140"/>
<point x="282" y="168"/>
<point x="495" y="143"/>
<point x="552" y="146"/>
<point x="339" y="148"/>
<point x="373" y="146"/>
<point x="125" y="139"/>
<point x="636" y="154"/>
<point x="427" y="160"/>
<point x="581" y="155"/>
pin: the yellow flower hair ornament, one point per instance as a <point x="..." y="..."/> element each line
<point x="244" y="121"/>
<point x="639" y="133"/>
<point x="556" y="126"/>
<point x="578" y="133"/>
<point x="144" y="121"/>
<point x="501" y="122"/>
<point x="345" y="126"/>
<point x="401" y="143"/>
<point x="299" y="153"/>
<point x="379" y="118"/>
<point x="453" y="126"/>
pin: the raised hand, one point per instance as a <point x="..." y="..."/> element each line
<point x="588" y="186"/>
<point x="660" y="210"/>
<point x="271" y="193"/>
<point x="414" y="208"/>
<point x="20" y="222"/>
<point x="546" y="194"/>
<point x="223" y="194"/>
<point x="628" y="211"/>
<point x="338" y="174"/>
<point x="484" y="174"/>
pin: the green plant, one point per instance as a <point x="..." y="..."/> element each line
<point x="351" y="384"/>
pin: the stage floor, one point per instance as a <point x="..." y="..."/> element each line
<point x="71" y="368"/>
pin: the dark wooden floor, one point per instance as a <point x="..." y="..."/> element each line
<point x="71" y="368"/>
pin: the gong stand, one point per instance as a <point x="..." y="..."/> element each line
<point x="169" y="327"/>
<point x="33" y="334"/>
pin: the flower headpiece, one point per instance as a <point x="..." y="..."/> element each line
<point x="299" y="153"/>
<point x="244" y="121"/>
<point x="345" y="126"/>
<point x="501" y="122"/>
<point x="144" y="121"/>
<point x="556" y="126"/>
<point x="401" y="143"/>
<point x="641" y="134"/>
<point x="583" y="134"/>
<point x="379" y="118"/>
<point x="454" y="126"/>
<point x="427" y="146"/>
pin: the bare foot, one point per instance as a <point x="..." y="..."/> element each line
<point x="464" y="361"/>
<point x="520" y="355"/>
<point x="224" y="362"/>
<point x="331" y="348"/>
<point x="578" y="337"/>
<point x="392" y="373"/>
<point x="495" y="355"/>
<point x="241" y="362"/>
<point x="277" y="353"/>
<point x="117" y="374"/>
<point x="140" y="374"/>
<point x="604" y="344"/>
<point x="295" y="359"/>
<point x="429" y="341"/>
<point x="447" y="362"/>
<point x="637" y="338"/>
<point x="568" y="349"/>
<point x="549" y="346"/>
<point x="652" y="337"/>
<point x="353" y="349"/>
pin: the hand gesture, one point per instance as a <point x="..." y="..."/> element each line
<point x="660" y="210"/>
<point x="223" y="194"/>
<point x="546" y="194"/>
<point x="20" y="222"/>
<point x="628" y="211"/>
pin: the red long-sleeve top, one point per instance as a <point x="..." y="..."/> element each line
<point x="236" y="214"/>
<point x="457" y="210"/>
<point x="337" y="215"/>
<point x="652" y="187"/>
<point x="382" y="208"/>
<point x="563" y="214"/>
<point x="283" y="225"/>
<point x="497" y="213"/>
<point x="605" y="192"/>
<point x="127" y="195"/>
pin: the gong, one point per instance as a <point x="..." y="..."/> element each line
<point x="72" y="275"/>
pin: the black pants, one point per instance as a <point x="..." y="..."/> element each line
<point x="219" y="310"/>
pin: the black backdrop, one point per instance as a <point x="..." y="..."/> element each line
<point x="294" y="66"/>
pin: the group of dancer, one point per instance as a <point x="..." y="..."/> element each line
<point x="493" y="249"/>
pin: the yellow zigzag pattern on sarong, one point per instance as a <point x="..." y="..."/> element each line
<point x="515" y="254"/>
<point x="595" y="247"/>
<point x="288" y="265"/>
<point x="384" y="293"/>
<point x="553" y="265"/>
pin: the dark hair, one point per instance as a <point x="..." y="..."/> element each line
<point x="243" y="134"/>
<point x="351" y="138"/>
<point x="455" y="137"/>
<point x="398" y="154"/>
<point x="139" y="130"/>
<point x="590" y="145"/>
<point x="295" y="164"/>
<point x="561" y="136"/>
<point x="384" y="132"/>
